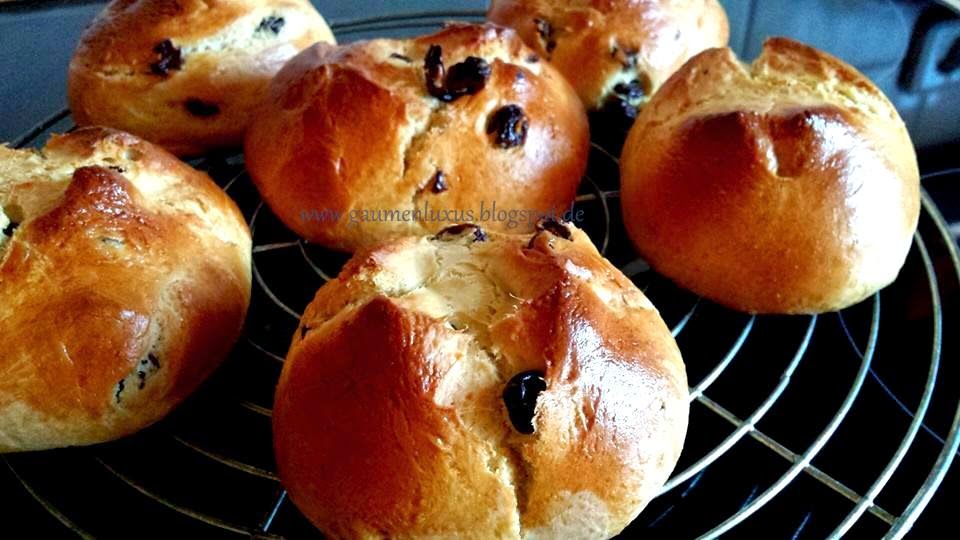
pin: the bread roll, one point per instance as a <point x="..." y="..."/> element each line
<point x="479" y="385"/>
<point x="785" y="186"/>
<point x="124" y="281"/>
<point x="386" y="138"/>
<point x="615" y="53"/>
<point x="186" y="74"/>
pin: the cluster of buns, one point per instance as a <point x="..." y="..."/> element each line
<point x="477" y="384"/>
<point x="124" y="281"/>
<point x="486" y="379"/>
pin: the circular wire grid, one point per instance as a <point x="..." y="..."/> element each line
<point x="797" y="427"/>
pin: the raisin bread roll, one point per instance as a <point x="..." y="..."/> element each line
<point x="386" y="138"/>
<point x="615" y="53"/>
<point x="124" y="281"/>
<point x="785" y="186"/>
<point x="186" y="74"/>
<point x="479" y="385"/>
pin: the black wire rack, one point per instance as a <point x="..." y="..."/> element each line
<point x="816" y="426"/>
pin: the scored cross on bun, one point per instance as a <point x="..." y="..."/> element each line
<point x="789" y="185"/>
<point x="479" y="385"/>
<point x="454" y="122"/>
<point x="124" y="281"/>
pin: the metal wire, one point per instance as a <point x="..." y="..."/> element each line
<point x="818" y="443"/>
<point x="949" y="451"/>
<point x="921" y="412"/>
<point x="57" y="514"/>
<point x="750" y="423"/>
<point x="224" y="460"/>
<point x="799" y="462"/>
<point x="199" y="516"/>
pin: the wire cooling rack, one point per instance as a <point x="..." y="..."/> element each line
<point x="801" y="427"/>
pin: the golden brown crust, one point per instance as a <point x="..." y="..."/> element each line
<point x="228" y="53"/>
<point x="389" y="420"/>
<point x="787" y="186"/>
<point x="597" y="43"/>
<point x="127" y="265"/>
<point x="354" y="129"/>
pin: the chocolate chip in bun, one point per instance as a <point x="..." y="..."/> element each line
<point x="401" y="137"/>
<point x="481" y="385"/>
<point x="616" y="54"/>
<point x="186" y="74"/>
<point x="789" y="185"/>
<point x="124" y="281"/>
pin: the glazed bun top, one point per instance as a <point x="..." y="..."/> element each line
<point x="126" y="28"/>
<point x="598" y="44"/>
<point x="786" y="186"/>
<point x="360" y="128"/>
<point x="186" y="74"/>
<point x="124" y="281"/>
<point x="390" y="417"/>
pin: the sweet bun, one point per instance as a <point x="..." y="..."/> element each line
<point x="186" y="74"/>
<point x="786" y="186"/>
<point x="124" y="281"/>
<point x="391" y="416"/>
<point x="615" y="53"/>
<point x="406" y="137"/>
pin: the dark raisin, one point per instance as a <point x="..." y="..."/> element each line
<point x="610" y="123"/>
<point x="544" y="28"/>
<point x="439" y="182"/>
<point x="629" y="58"/>
<point x="617" y="108"/>
<point x="114" y="242"/>
<point x="399" y="56"/>
<point x="198" y="107"/>
<point x="455" y="231"/>
<point x="520" y="397"/>
<point x="533" y="58"/>
<point x="633" y="90"/>
<point x="10" y="228"/>
<point x="120" y="170"/>
<point x="554" y="227"/>
<point x="509" y="125"/>
<point x="435" y="74"/>
<point x="120" y="385"/>
<point x="272" y="24"/>
<point x="169" y="58"/>
<point x="154" y="360"/>
<point x="143" y="379"/>
<point x="467" y="77"/>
